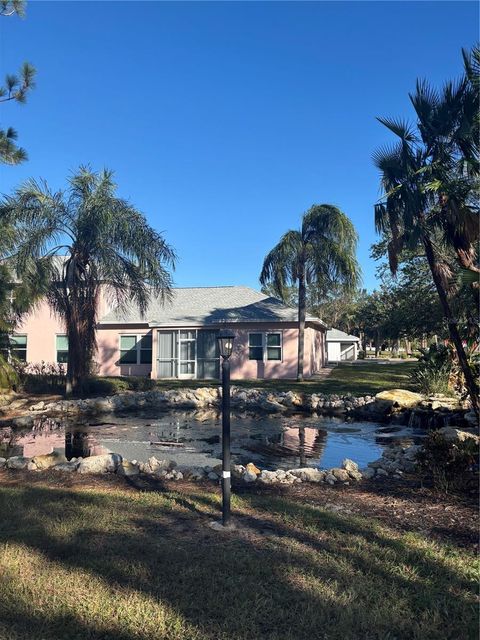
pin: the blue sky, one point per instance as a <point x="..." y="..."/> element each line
<point x="225" y="121"/>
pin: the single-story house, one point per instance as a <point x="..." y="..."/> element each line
<point x="341" y="346"/>
<point x="177" y="339"/>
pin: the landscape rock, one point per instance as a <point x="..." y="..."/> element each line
<point x="17" y="462"/>
<point x="128" y="469"/>
<point x="309" y="474"/>
<point x="330" y="478"/>
<point x="251" y="468"/>
<point x="66" y="467"/>
<point x="249" y="476"/>
<point x="349" y="465"/>
<point x="154" y="466"/>
<point x="368" y="473"/>
<point x="106" y="463"/>
<point x="398" y="398"/>
<point x="340" y="474"/>
<point x="3" y="462"/>
<point x="49" y="460"/>
<point x="451" y="434"/>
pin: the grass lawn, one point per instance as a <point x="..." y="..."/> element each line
<point x="362" y="378"/>
<point x="105" y="560"/>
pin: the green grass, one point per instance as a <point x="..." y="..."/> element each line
<point x="113" y="563"/>
<point x="359" y="379"/>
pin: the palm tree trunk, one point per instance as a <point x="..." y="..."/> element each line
<point x="302" y="312"/>
<point x="470" y="382"/>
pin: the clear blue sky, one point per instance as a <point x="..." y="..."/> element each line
<point x="225" y="121"/>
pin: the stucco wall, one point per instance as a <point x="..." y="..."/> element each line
<point x="41" y="327"/>
<point x="108" y="352"/>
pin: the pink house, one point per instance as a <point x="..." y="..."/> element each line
<point x="178" y="339"/>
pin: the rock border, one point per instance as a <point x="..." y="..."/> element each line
<point x="395" y="405"/>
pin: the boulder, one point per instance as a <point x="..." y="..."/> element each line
<point x="238" y="470"/>
<point x="355" y="475"/>
<point x="106" y="463"/>
<point x="17" y="462"/>
<point x="456" y="435"/>
<point x="381" y="472"/>
<point x="308" y="474"/>
<point x="397" y="399"/>
<point x="368" y="473"/>
<point x="340" y="474"/>
<point x="330" y="478"/>
<point x="251" y="468"/>
<point x="349" y="465"/>
<point x="3" y="462"/>
<point x="49" y="460"/>
<point x="66" y="467"/>
<point x="154" y="466"/>
<point x="126" y="468"/>
<point x="38" y="407"/>
<point x="249" y="476"/>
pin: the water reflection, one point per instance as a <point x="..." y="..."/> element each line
<point x="269" y="441"/>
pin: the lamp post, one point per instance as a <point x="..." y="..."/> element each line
<point x="225" y="343"/>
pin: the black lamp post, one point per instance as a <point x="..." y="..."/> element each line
<point x="225" y="343"/>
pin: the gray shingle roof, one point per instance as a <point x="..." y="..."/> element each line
<point x="335" y="335"/>
<point x="209" y="305"/>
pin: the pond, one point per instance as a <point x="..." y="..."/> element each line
<point x="192" y="438"/>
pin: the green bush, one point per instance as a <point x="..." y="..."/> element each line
<point x="9" y="378"/>
<point x="433" y="371"/>
<point x="361" y="355"/>
<point x="109" y="386"/>
<point x="104" y="386"/>
<point x="449" y="465"/>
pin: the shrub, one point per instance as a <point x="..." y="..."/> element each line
<point x="109" y="386"/>
<point x="41" y="377"/>
<point x="361" y="355"/>
<point x="449" y="465"/>
<point x="432" y="373"/>
<point x="9" y="378"/>
<point x="104" y="386"/>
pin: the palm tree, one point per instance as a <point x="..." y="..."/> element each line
<point x="86" y="239"/>
<point x="429" y="180"/>
<point x="321" y="253"/>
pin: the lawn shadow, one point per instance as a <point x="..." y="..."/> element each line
<point x="315" y="569"/>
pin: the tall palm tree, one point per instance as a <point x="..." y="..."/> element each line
<point x="322" y="252"/>
<point x="429" y="180"/>
<point x="84" y="239"/>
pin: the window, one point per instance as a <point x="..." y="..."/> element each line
<point x="136" y="349"/>
<point x="146" y="349"/>
<point x="255" y="346"/>
<point x="274" y="346"/>
<point x="265" y="346"/>
<point x="18" y="347"/>
<point x="61" y="346"/>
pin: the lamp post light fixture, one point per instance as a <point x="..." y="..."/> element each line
<point x="225" y="343"/>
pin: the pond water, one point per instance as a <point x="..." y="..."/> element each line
<point x="193" y="438"/>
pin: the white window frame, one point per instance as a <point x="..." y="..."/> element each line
<point x="138" y="338"/>
<point x="264" y="345"/>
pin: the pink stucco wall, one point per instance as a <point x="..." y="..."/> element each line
<point x="41" y="327"/>
<point x="108" y="352"/>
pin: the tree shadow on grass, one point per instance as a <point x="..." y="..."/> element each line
<point x="318" y="575"/>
